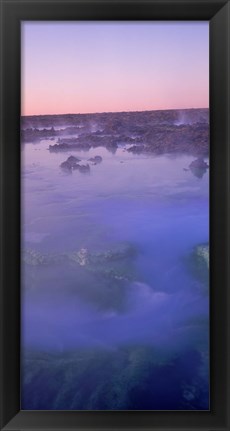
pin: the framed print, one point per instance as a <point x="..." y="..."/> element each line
<point x="115" y="215"/>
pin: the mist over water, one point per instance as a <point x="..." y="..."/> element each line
<point x="186" y="117"/>
<point x="149" y="305"/>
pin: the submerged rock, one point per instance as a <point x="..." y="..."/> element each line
<point x="36" y="258"/>
<point x="81" y="257"/>
<point x="202" y="252"/>
<point x="100" y="278"/>
<point x="198" y="263"/>
<point x="189" y="392"/>
<point x="113" y="263"/>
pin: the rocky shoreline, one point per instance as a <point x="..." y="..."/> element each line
<point x="151" y="132"/>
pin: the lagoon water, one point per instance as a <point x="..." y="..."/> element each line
<point x="138" y="340"/>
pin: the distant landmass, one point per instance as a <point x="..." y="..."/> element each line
<point x="156" y="132"/>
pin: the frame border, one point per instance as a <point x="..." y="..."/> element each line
<point x="217" y="12"/>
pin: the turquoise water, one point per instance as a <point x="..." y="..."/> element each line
<point x="131" y="329"/>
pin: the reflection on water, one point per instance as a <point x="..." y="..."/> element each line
<point x="107" y="280"/>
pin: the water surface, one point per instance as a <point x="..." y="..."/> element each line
<point x="142" y="332"/>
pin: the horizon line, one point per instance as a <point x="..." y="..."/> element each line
<point x="110" y="112"/>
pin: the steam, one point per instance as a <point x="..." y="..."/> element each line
<point x="94" y="127"/>
<point x="162" y="319"/>
<point x="189" y="117"/>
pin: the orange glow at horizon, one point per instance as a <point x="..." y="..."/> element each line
<point x="113" y="67"/>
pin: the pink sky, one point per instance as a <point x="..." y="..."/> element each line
<point x="80" y="67"/>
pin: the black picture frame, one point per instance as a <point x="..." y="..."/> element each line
<point x="217" y="12"/>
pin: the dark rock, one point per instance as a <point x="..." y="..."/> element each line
<point x="84" y="169"/>
<point x="95" y="160"/>
<point x="66" y="166"/>
<point x="70" y="163"/>
<point x="111" y="147"/>
<point x="72" y="160"/>
<point x="199" y="163"/>
<point x="136" y="149"/>
<point x="152" y="132"/>
<point x="198" y="167"/>
<point x="59" y="147"/>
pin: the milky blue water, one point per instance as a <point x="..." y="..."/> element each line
<point x="146" y="334"/>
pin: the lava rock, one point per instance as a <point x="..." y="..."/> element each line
<point x="199" y="164"/>
<point x="66" y="166"/>
<point x="72" y="160"/>
<point x="95" y="160"/>
<point x="84" y="169"/>
<point x="198" y="167"/>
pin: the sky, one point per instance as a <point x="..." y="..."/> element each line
<point x="86" y="67"/>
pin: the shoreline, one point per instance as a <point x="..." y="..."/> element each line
<point x="155" y="132"/>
